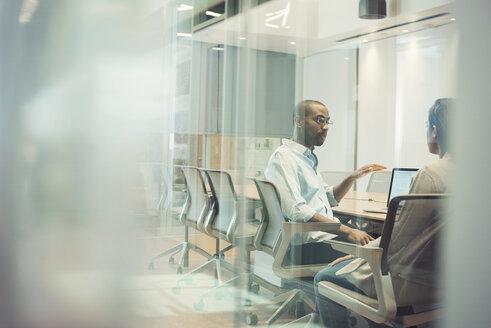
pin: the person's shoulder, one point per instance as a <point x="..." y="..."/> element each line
<point x="281" y="151"/>
<point x="437" y="173"/>
<point x="438" y="168"/>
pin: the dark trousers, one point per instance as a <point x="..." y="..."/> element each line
<point x="312" y="253"/>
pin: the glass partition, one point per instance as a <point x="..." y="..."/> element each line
<point x="145" y="130"/>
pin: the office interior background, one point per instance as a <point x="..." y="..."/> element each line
<point x="101" y="100"/>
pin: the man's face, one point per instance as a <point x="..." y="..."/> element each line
<point x="315" y="125"/>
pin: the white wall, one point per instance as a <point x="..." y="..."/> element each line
<point x="330" y="78"/>
<point x="400" y="78"/>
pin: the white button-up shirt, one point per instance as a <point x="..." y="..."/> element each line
<point x="293" y="169"/>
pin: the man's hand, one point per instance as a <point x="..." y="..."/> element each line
<point x="358" y="237"/>
<point x="340" y="259"/>
<point x="341" y="189"/>
<point x="366" y="169"/>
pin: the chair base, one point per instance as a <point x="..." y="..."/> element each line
<point x="293" y="299"/>
<point x="184" y="248"/>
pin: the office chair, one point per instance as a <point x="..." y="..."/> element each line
<point x="273" y="237"/>
<point x="379" y="182"/>
<point x="333" y="178"/>
<point x="386" y="307"/>
<point x="230" y="220"/>
<point x="193" y="213"/>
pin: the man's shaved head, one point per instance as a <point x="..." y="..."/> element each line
<point x="304" y="108"/>
<point x="311" y="119"/>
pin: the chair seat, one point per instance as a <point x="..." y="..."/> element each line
<point x="250" y="228"/>
<point x="247" y="233"/>
<point x="325" y="286"/>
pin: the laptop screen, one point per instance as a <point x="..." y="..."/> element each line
<point x="400" y="182"/>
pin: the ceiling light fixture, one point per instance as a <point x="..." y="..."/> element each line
<point x="242" y="38"/>
<point x="279" y="15"/>
<point x="27" y="11"/>
<point x="271" y="25"/>
<point x="405" y="31"/>
<point x="292" y="43"/>
<point x="372" y="9"/>
<point x="184" y="7"/>
<point x="212" y="13"/>
<point x="453" y="19"/>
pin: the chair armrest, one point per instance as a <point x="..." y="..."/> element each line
<point x="385" y="307"/>
<point x="281" y="248"/>
<point x="291" y="228"/>
<point x="369" y="254"/>
<point x="295" y="227"/>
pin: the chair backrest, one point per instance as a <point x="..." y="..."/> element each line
<point x="226" y="202"/>
<point x="269" y="235"/>
<point x="419" y="213"/>
<point x="164" y="203"/>
<point x="379" y="182"/>
<point x="396" y="290"/>
<point x="198" y="202"/>
<point x="333" y="178"/>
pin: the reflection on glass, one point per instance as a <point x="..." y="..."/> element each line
<point x="173" y="158"/>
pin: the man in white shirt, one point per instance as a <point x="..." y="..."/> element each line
<point x="304" y="195"/>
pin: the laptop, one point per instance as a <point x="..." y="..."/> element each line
<point x="400" y="183"/>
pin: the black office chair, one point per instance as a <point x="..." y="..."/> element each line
<point x="273" y="237"/>
<point x="391" y="306"/>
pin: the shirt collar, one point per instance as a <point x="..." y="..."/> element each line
<point x="296" y="146"/>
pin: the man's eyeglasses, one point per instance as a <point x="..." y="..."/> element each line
<point x="321" y="120"/>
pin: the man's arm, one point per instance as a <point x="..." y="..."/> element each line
<point x="341" y="189"/>
<point x="353" y="235"/>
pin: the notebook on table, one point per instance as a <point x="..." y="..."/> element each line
<point x="400" y="182"/>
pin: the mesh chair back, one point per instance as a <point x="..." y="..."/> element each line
<point x="379" y="182"/>
<point x="419" y="223"/>
<point x="199" y="203"/>
<point x="333" y="178"/>
<point x="268" y="238"/>
<point x="165" y="190"/>
<point x="223" y="191"/>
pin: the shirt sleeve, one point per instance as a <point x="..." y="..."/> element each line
<point x="330" y="195"/>
<point x="282" y="172"/>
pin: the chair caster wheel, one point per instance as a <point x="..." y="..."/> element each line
<point x="179" y="270"/>
<point x="254" y="288"/>
<point x="176" y="290"/>
<point x="151" y="266"/>
<point x="251" y="319"/>
<point x="199" y="305"/>
<point x="171" y="260"/>
<point x="299" y="309"/>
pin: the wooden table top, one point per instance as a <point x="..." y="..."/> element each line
<point x="356" y="202"/>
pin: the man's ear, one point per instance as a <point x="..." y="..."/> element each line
<point x="298" y="121"/>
